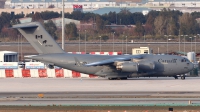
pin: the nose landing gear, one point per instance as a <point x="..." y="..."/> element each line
<point x="183" y="77"/>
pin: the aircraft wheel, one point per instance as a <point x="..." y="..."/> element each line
<point x="118" y="78"/>
<point x="110" y="78"/>
<point x="183" y="77"/>
<point x="124" y="78"/>
<point x="175" y="77"/>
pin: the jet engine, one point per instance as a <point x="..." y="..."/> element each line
<point x="147" y="65"/>
<point x="127" y="66"/>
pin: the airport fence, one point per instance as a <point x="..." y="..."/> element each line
<point x="42" y="73"/>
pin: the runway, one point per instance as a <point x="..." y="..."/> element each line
<point x="100" y="101"/>
<point x="99" y="91"/>
<point x="170" y="84"/>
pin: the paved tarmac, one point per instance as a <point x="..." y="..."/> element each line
<point x="190" y="84"/>
<point x="99" y="101"/>
<point x="99" y="91"/>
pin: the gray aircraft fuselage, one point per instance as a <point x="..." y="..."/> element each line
<point x="165" y="65"/>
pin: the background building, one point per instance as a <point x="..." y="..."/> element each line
<point x="58" y="22"/>
<point x="28" y="11"/>
<point x="34" y="4"/>
<point x="30" y="6"/>
<point x="8" y="56"/>
<point x="142" y="50"/>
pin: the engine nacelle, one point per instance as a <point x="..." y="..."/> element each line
<point x="127" y="66"/>
<point x="147" y="65"/>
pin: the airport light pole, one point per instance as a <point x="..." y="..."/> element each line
<point x="63" y="27"/>
<point x="85" y="41"/>
<point x="184" y="42"/>
<point x="113" y="41"/>
<point x="179" y="36"/>
<point x="191" y="43"/>
<point x="179" y="46"/>
<point x="79" y="43"/>
<point x="21" y="47"/>
<point x="122" y="44"/>
<point x="18" y="47"/>
<point x="100" y="44"/>
<point x="167" y="42"/>
<point x="126" y="44"/>
<point x="167" y="45"/>
<point x="195" y="43"/>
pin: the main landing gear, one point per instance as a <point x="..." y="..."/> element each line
<point x="118" y="78"/>
<point x="176" y="77"/>
<point x="182" y="77"/>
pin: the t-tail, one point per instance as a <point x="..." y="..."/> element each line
<point x="39" y="38"/>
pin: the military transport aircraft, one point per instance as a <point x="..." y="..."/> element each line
<point x="111" y="67"/>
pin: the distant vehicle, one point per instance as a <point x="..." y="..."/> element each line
<point x="111" y="67"/>
<point x="21" y="65"/>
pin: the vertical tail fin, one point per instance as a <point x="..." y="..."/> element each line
<point x="38" y="37"/>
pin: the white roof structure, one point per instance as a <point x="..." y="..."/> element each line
<point x="8" y="52"/>
<point x="8" y="56"/>
<point x="58" y="22"/>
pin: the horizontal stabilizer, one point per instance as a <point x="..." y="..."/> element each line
<point x="25" y="27"/>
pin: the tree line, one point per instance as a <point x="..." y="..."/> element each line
<point x="155" y="24"/>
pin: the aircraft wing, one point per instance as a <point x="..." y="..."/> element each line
<point x="112" y="60"/>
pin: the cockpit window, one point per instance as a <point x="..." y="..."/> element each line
<point x="187" y="60"/>
<point x="184" y="60"/>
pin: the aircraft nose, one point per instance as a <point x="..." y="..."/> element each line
<point x="191" y="66"/>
